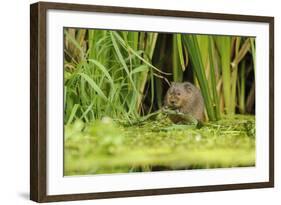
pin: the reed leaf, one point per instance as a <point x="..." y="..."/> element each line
<point x="177" y="70"/>
<point x="197" y="64"/>
<point x="213" y="78"/>
<point x="253" y="49"/>
<point x="224" y="46"/>
<point x="94" y="86"/>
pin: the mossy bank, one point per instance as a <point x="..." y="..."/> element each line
<point x="106" y="146"/>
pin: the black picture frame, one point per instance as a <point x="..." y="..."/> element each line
<point x="38" y="102"/>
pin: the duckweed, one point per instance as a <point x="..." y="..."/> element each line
<point x="108" y="146"/>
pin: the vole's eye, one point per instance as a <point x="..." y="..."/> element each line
<point x="178" y="94"/>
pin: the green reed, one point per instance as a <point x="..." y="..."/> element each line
<point x="125" y="75"/>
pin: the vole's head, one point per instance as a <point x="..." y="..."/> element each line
<point x="179" y="94"/>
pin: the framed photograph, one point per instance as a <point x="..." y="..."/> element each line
<point x="134" y="102"/>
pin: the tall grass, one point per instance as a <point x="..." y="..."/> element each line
<point x="216" y="61"/>
<point x="199" y="61"/>
<point x="108" y="78"/>
<point x="125" y="74"/>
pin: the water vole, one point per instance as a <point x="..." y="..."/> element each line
<point x="185" y="98"/>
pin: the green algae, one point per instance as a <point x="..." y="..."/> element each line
<point x="108" y="146"/>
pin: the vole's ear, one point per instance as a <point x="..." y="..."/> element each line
<point x="173" y="84"/>
<point x="187" y="86"/>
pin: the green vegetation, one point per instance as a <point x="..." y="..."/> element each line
<point x="126" y="74"/>
<point x="108" y="147"/>
<point x="114" y="86"/>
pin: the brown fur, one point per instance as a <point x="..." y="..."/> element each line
<point x="185" y="98"/>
